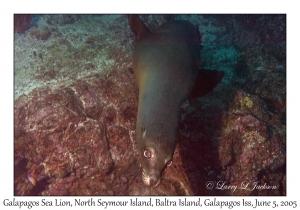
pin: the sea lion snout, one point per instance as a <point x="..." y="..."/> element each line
<point x="152" y="180"/>
<point x="153" y="164"/>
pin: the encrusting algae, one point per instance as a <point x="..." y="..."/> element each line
<point x="246" y="101"/>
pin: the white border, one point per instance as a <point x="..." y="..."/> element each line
<point x="117" y="7"/>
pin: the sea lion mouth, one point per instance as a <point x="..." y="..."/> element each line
<point x="150" y="182"/>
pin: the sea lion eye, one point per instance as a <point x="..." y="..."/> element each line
<point x="147" y="154"/>
<point x="169" y="163"/>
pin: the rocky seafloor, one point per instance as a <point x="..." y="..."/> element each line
<point x="76" y="103"/>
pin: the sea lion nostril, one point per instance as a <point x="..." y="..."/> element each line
<point x="152" y="182"/>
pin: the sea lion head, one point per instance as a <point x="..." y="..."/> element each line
<point x="156" y="151"/>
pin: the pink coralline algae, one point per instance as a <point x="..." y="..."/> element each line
<point x="65" y="140"/>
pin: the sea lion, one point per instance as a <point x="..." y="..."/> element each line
<point x="165" y="64"/>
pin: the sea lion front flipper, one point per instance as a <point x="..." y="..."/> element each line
<point x="206" y="81"/>
<point x="137" y="26"/>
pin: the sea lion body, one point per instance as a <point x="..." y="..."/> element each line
<point x="165" y="64"/>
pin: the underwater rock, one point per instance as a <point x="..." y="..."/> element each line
<point x="40" y="33"/>
<point x="70" y="152"/>
<point x="61" y="19"/>
<point x="121" y="148"/>
<point x="69" y="146"/>
<point x="271" y="87"/>
<point x="232" y="144"/>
